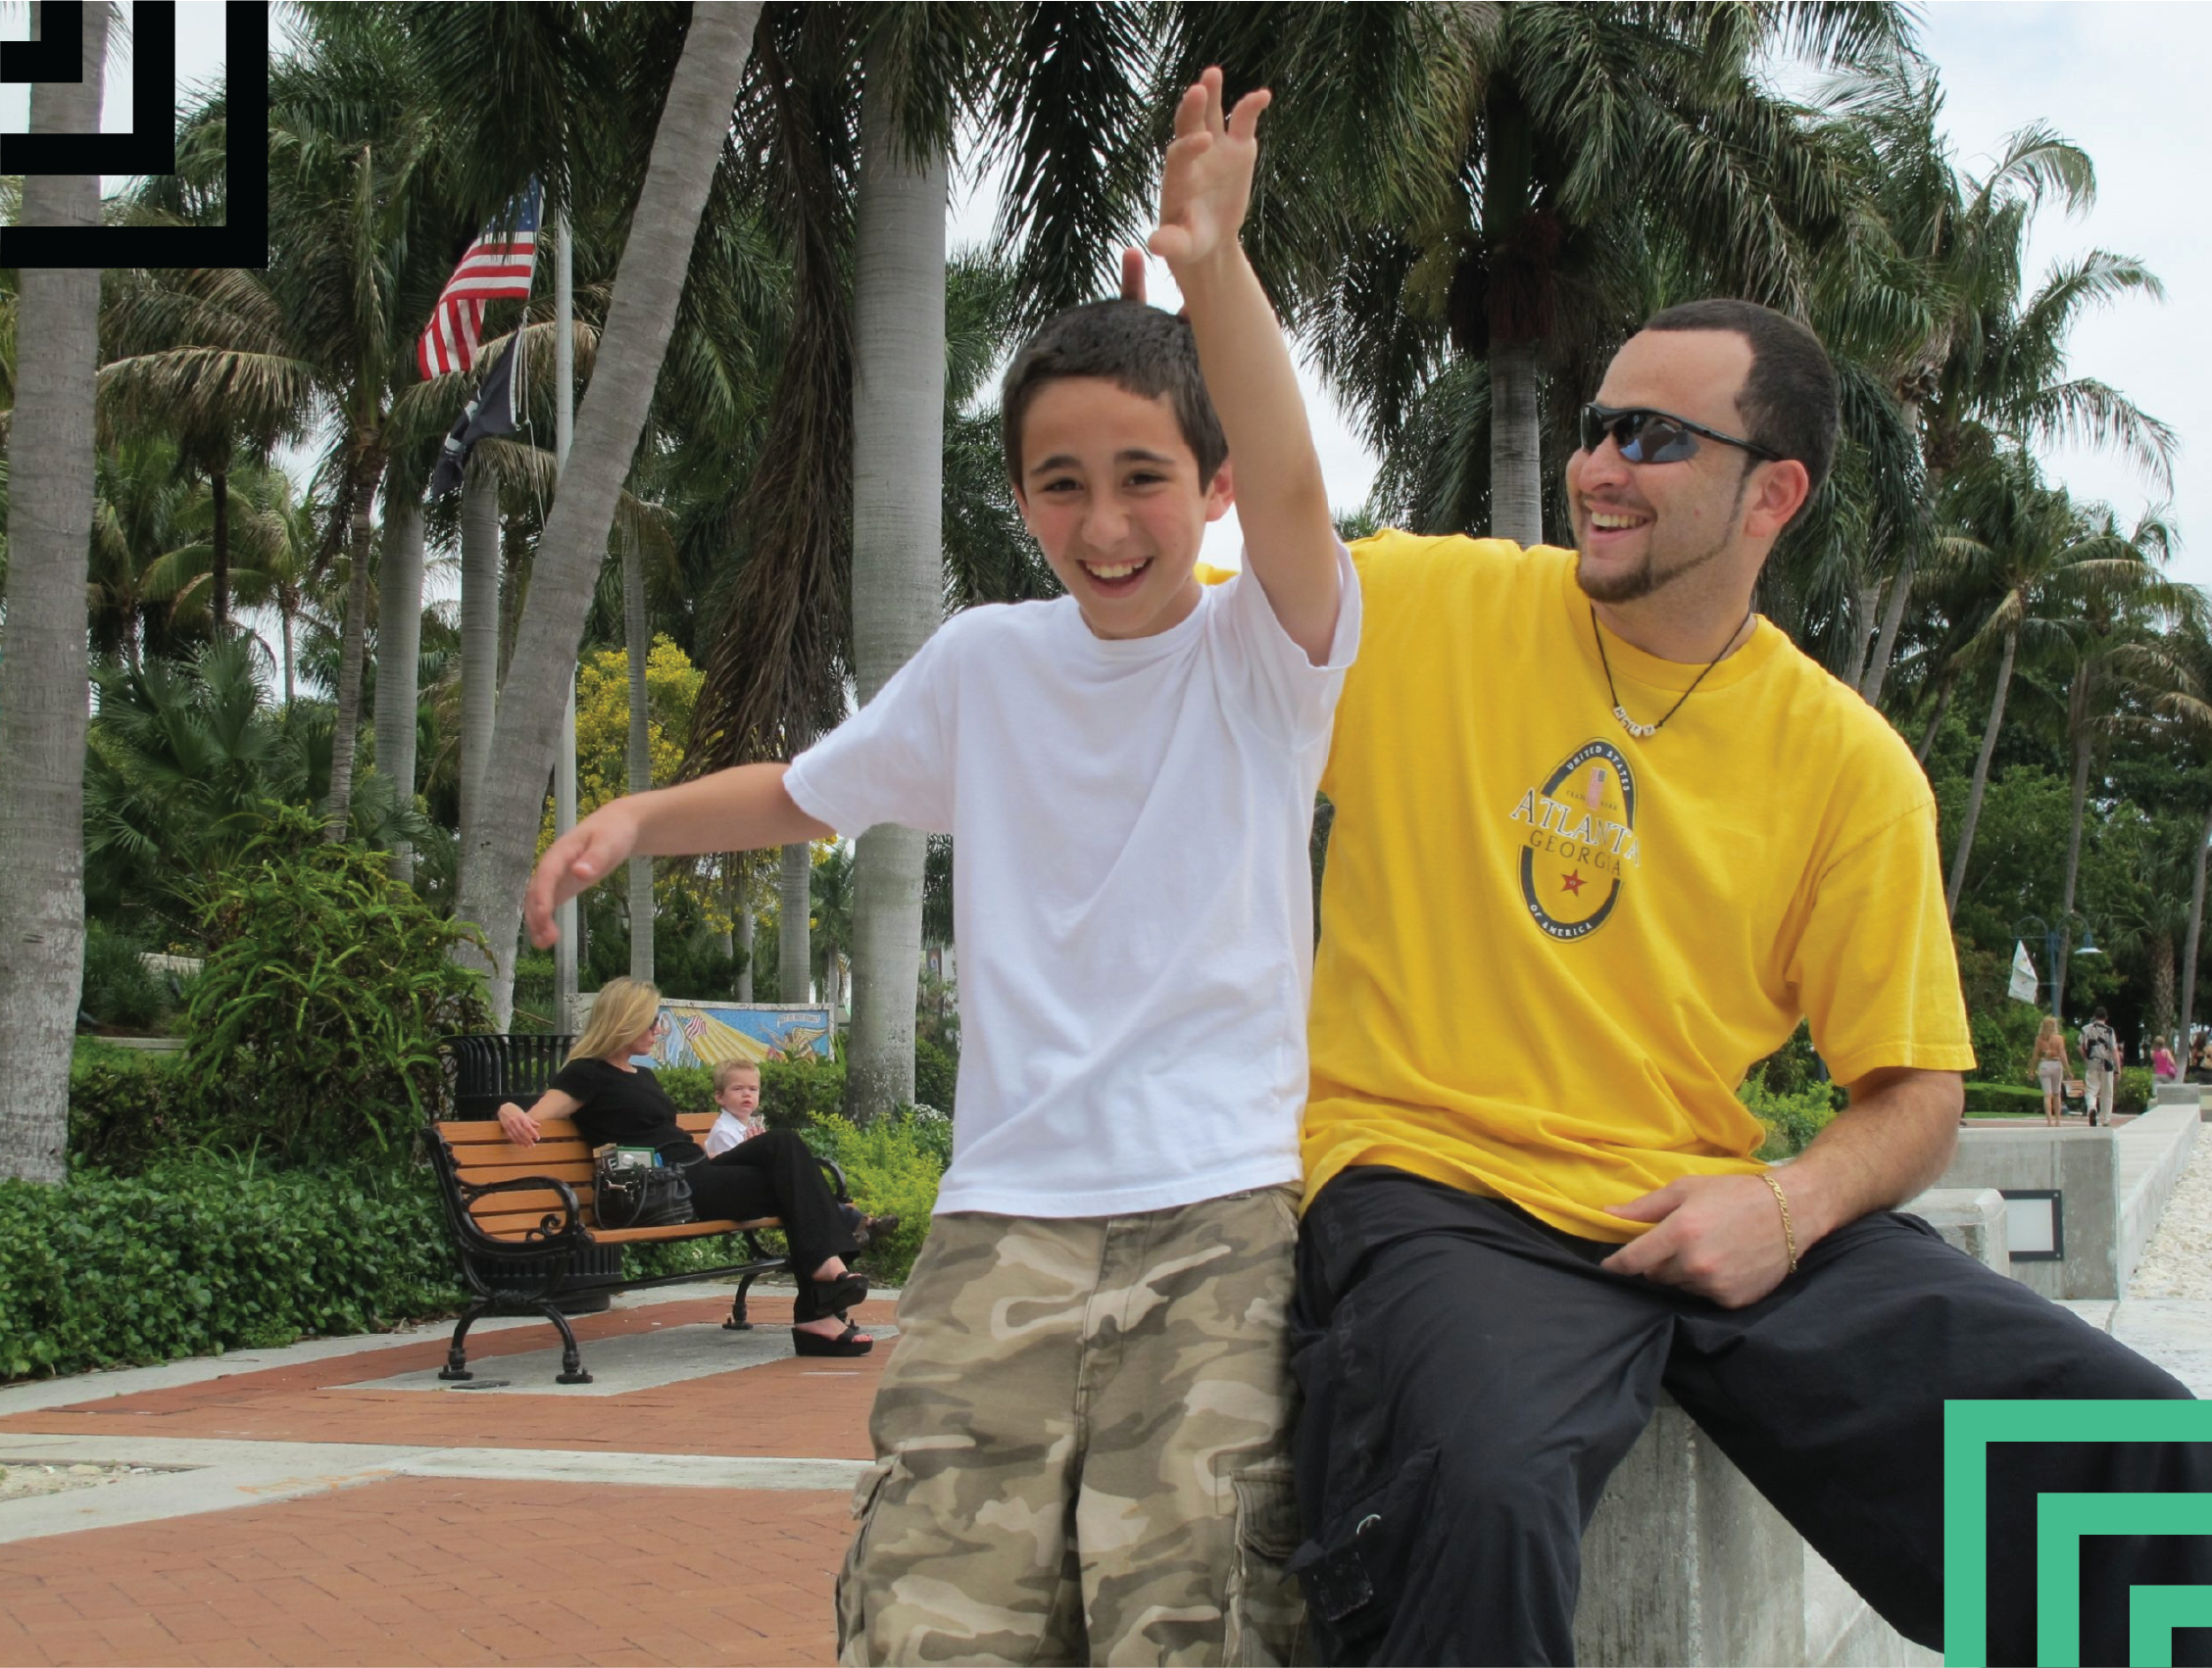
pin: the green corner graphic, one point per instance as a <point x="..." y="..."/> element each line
<point x="1969" y="1427"/>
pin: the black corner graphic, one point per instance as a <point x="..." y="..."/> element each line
<point x="150" y="148"/>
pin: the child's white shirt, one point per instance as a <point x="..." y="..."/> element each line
<point x="1132" y="889"/>
<point x="728" y="1131"/>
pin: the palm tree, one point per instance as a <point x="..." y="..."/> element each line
<point x="688" y="142"/>
<point x="1996" y="357"/>
<point x="1530" y="172"/>
<point x="2038" y="554"/>
<point x="2188" y="710"/>
<point x="2122" y="662"/>
<point x="42" y="684"/>
<point x="399" y="640"/>
<point x="898" y="537"/>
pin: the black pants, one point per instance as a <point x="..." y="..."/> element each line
<point x="1470" y="1378"/>
<point x="776" y="1174"/>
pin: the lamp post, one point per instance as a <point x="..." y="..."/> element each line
<point x="2052" y="936"/>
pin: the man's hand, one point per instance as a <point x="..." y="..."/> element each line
<point x="521" y="1128"/>
<point x="578" y="860"/>
<point x="1206" y="182"/>
<point x="1132" y="275"/>
<point x="1718" y="1236"/>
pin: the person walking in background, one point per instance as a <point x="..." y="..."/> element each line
<point x="2201" y="1058"/>
<point x="2100" y="1066"/>
<point x="2163" y="1068"/>
<point x="2050" y="1066"/>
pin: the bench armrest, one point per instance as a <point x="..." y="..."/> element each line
<point x="571" y="1230"/>
<point x="837" y="1187"/>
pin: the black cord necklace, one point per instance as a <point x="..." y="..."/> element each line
<point x="1640" y="731"/>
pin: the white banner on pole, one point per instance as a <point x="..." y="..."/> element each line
<point x="2024" y="982"/>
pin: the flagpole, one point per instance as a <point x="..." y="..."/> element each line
<point x="565" y="947"/>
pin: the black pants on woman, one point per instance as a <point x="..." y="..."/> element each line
<point x="1471" y="1376"/>
<point x="776" y="1174"/>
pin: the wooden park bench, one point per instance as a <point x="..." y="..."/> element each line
<point x="523" y="1221"/>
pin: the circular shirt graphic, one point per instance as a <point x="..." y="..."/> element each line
<point x="1579" y="838"/>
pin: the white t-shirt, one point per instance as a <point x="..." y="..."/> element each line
<point x="1132" y="894"/>
<point x="728" y="1131"/>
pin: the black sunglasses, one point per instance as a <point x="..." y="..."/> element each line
<point x="1656" y="437"/>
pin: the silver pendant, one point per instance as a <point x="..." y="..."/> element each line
<point x="1640" y="731"/>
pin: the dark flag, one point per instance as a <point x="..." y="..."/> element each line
<point x="491" y="412"/>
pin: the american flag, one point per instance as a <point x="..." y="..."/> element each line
<point x="497" y="265"/>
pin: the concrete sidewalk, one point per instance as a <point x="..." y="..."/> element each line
<point x="333" y="1503"/>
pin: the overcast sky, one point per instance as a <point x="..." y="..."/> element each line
<point x="2118" y="79"/>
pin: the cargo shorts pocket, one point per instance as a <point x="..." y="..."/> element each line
<point x="1262" y="1612"/>
<point x="1354" y="1574"/>
<point x="852" y="1600"/>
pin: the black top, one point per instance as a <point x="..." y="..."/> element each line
<point x="628" y="1109"/>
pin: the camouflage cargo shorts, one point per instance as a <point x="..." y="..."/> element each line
<point x="1082" y="1445"/>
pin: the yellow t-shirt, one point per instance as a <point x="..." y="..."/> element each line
<point x="1550" y="951"/>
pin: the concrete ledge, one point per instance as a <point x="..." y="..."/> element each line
<point x="1684" y="1562"/>
<point x="1970" y="1218"/>
<point x="2152" y="1152"/>
<point x="2082" y="1165"/>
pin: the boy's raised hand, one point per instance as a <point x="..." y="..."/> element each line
<point x="1206" y="182"/>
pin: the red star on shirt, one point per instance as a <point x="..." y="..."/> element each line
<point x="1573" y="882"/>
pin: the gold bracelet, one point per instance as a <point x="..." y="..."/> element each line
<point x="1789" y="1234"/>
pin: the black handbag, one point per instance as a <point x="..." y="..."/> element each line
<point x="640" y="1195"/>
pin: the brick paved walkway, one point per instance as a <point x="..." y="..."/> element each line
<point x="372" y="1567"/>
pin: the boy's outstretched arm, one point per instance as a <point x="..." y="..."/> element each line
<point x="738" y="810"/>
<point x="1282" y="504"/>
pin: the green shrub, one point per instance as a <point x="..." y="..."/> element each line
<point x="325" y="987"/>
<point x="1791" y="1120"/>
<point x="937" y="1072"/>
<point x="2135" y="1089"/>
<point x="128" y="1110"/>
<point x="891" y="1168"/>
<point x="202" y="1256"/>
<point x="119" y="989"/>
<point x="795" y="1093"/>
<point x="1986" y="1100"/>
<point x="2004" y="1043"/>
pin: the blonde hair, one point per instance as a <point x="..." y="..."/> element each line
<point x="729" y="1069"/>
<point x="622" y="1009"/>
<point x="2048" y="1029"/>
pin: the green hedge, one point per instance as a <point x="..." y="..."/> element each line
<point x="891" y="1168"/>
<point x="1989" y="1099"/>
<point x="203" y="1255"/>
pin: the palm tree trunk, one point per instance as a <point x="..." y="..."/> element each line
<point x="1892" y="621"/>
<point x="1981" y="776"/>
<point x="219" y="489"/>
<point x="2189" y="942"/>
<point x="744" y="943"/>
<point x="353" y="646"/>
<point x="686" y="147"/>
<point x="1516" y="464"/>
<point x="2162" y="970"/>
<point x="284" y="632"/>
<point x="794" y="906"/>
<point x="399" y="651"/>
<point x="480" y="633"/>
<point x="638" y="628"/>
<point x="897" y="560"/>
<point x="1943" y="696"/>
<point x="2078" y="715"/>
<point x="1869" y="599"/>
<point x="43" y="703"/>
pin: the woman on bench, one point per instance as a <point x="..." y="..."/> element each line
<point x="612" y="1102"/>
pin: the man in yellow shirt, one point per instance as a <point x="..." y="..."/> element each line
<point x="1602" y="837"/>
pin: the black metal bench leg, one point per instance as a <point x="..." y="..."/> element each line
<point x="456" y="1368"/>
<point x="737" y="1321"/>
<point x="571" y="1358"/>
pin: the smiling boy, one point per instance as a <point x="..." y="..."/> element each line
<point x="1081" y="1437"/>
